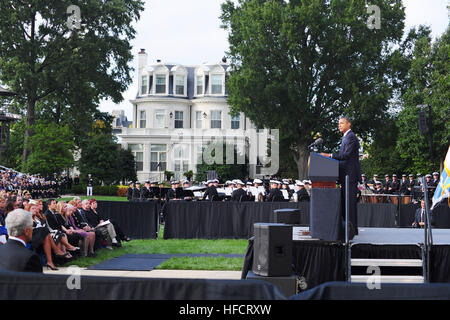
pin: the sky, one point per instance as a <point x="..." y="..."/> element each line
<point x="188" y="32"/>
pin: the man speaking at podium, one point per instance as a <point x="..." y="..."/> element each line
<point x="348" y="157"/>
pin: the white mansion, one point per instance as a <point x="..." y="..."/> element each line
<point x="177" y="110"/>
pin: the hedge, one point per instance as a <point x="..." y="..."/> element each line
<point x="97" y="190"/>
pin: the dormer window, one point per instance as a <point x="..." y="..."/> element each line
<point x="160" y="84"/>
<point x="144" y="85"/>
<point x="216" y="83"/>
<point x="179" y="85"/>
<point x="199" y="85"/>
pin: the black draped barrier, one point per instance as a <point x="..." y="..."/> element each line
<point x="318" y="262"/>
<point x="440" y="215"/>
<point x="406" y="214"/>
<point x="377" y="215"/>
<point x="388" y="291"/>
<point x="222" y="220"/>
<point x="32" y="286"/>
<point x="138" y="220"/>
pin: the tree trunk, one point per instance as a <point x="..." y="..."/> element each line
<point x="301" y="159"/>
<point x="28" y="131"/>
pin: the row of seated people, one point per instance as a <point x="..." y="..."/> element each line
<point x="236" y="190"/>
<point x="65" y="231"/>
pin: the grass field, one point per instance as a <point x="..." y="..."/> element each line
<point x="172" y="246"/>
<point x="100" y="198"/>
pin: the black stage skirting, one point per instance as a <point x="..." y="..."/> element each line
<point x="222" y="220"/>
<point x="318" y="261"/>
<point x="138" y="220"/>
<point x="35" y="286"/>
<point x="387" y="291"/>
<point x="214" y="220"/>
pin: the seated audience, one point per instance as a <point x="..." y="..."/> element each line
<point x="14" y="255"/>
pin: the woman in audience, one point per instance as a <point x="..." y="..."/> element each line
<point x="120" y="236"/>
<point x="73" y="237"/>
<point x="88" y="238"/>
<point x="41" y="239"/>
<point x="54" y="226"/>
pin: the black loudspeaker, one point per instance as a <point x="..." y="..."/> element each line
<point x="423" y="127"/>
<point x="288" y="216"/>
<point x="272" y="253"/>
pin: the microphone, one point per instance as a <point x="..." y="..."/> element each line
<point x="316" y="143"/>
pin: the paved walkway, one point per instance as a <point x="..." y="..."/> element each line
<point x="183" y="274"/>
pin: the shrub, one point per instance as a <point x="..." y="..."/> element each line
<point x="122" y="191"/>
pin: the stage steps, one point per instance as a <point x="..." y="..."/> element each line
<point x="387" y="270"/>
<point x="388" y="279"/>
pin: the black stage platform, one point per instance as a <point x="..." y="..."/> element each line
<point x="319" y="261"/>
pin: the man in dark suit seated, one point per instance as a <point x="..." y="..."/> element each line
<point x="419" y="217"/>
<point x="239" y="194"/>
<point x="14" y="255"/>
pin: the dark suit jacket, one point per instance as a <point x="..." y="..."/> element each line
<point x="93" y="218"/>
<point x="239" y="195"/>
<point x="275" y="195"/>
<point x="52" y="220"/>
<point x="130" y="193"/>
<point x="417" y="217"/>
<point x="78" y="219"/>
<point x="348" y="157"/>
<point x="302" y="195"/>
<point x="14" y="256"/>
<point x="211" y="193"/>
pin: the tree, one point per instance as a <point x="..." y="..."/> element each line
<point x="127" y="165"/>
<point x="224" y="171"/>
<point x="99" y="157"/>
<point x="63" y="70"/>
<point x="52" y="148"/>
<point x="428" y="84"/>
<point x="299" y="65"/>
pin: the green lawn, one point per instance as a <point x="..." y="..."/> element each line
<point x="105" y="198"/>
<point x="171" y="246"/>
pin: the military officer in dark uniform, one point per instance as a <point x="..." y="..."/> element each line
<point x="387" y="184"/>
<point x="146" y="193"/>
<point x="302" y="194"/>
<point x="137" y="192"/>
<point x="430" y="185"/>
<point x="211" y="193"/>
<point x="239" y="194"/>
<point x="404" y="186"/>
<point x="394" y="187"/>
<point x="275" y="193"/>
<point x="130" y="191"/>
<point x="172" y="194"/>
<point x="435" y="179"/>
<point x="378" y="188"/>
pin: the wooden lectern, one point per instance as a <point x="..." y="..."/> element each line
<point x="322" y="171"/>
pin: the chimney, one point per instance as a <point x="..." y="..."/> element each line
<point x="142" y="59"/>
